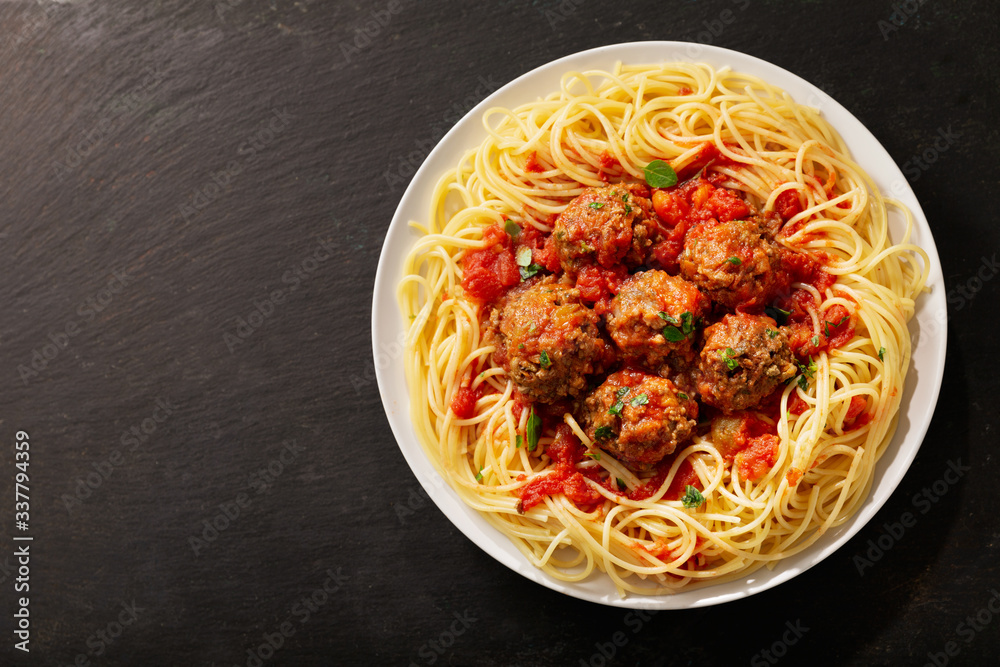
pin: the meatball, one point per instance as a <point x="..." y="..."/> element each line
<point x="547" y="341"/>
<point x="736" y="263"/>
<point x="744" y="359"/>
<point x="639" y="418"/>
<point x="605" y="226"/>
<point x="653" y="319"/>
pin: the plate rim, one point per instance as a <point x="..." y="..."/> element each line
<point x="386" y="347"/>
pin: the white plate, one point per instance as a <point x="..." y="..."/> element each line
<point x="929" y="327"/>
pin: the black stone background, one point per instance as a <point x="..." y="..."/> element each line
<point x="161" y="99"/>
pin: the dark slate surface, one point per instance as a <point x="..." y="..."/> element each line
<point x="170" y="167"/>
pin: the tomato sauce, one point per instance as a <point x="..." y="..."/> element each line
<point x="488" y="273"/>
<point x="463" y="404"/>
<point x="532" y="164"/>
<point x="565" y="451"/>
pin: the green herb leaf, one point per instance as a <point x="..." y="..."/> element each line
<point x="734" y="260"/>
<point x="641" y="399"/>
<point x="807" y="370"/>
<point x="624" y="196"/>
<point x="628" y="209"/>
<point x="881" y="354"/>
<point x="673" y="334"/>
<point x="512" y="228"/>
<point x="667" y="318"/>
<point x="596" y="205"/>
<point x="520" y="346"/>
<point x="479" y="475"/>
<point x="815" y="341"/>
<point x="523" y="256"/>
<point x="681" y="395"/>
<point x="604" y="433"/>
<point x="692" y="497"/>
<point x="533" y="430"/>
<point x="544" y="358"/>
<point x="529" y="271"/>
<point x="727" y="356"/>
<point x="687" y="323"/>
<point x="777" y="314"/>
<point x="836" y="325"/>
<point x="621" y="483"/>
<point x="594" y="455"/>
<point x="659" y="174"/>
<point x="616" y="408"/>
<point x="517" y="441"/>
<point x="772" y="333"/>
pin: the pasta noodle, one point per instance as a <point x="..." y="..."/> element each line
<point x="602" y="126"/>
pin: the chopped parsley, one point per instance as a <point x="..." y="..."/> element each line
<point x="624" y="196"/>
<point x="628" y="209"/>
<point x="692" y="497"/>
<point x="520" y="346"/>
<point x="681" y="395"/>
<point x="604" y="433"/>
<point x="727" y="356"/>
<point x="659" y="174"/>
<point x="815" y="341"/>
<point x="596" y="205"/>
<point x="807" y="371"/>
<point x="836" y="325"/>
<point x="544" y="358"/>
<point x="673" y="334"/>
<point x="479" y="475"/>
<point x="594" y="455"/>
<point x="616" y="408"/>
<point x="512" y="228"/>
<point x="734" y="260"/>
<point x="678" y="330"/>
<point x="641" y="399"/>
<point x="881" y="354"/>
<point x="529" y="271"/>
<point x="772" y="333"/>
<point x="621" y="483"/>
<point x="533" y="430"/>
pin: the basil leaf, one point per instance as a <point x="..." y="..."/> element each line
<point x="681" y="395"/>
<point x="512" y="228"/>
<point x="596" y="205"/>
<point x="544" y="358"/>
<point x="687" y="323"/>
<point x="692" y="497"/>
<point x="659" y="174"/>
<point x="673" y="334"/>
<point x="727" y="356"/>
<point x="533" y="430"/>
<point x="881" y="353"/>
<point x="667" y="318"/>
<point x="604" y="433"/>
<point x="529" y="270"/>
<point x="641" y="399"/>
<point x="734" y="260"/>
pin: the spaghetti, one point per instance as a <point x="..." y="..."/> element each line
<point x="745" y="486"/>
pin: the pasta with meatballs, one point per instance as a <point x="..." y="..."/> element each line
<point x="658" y="329"/>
